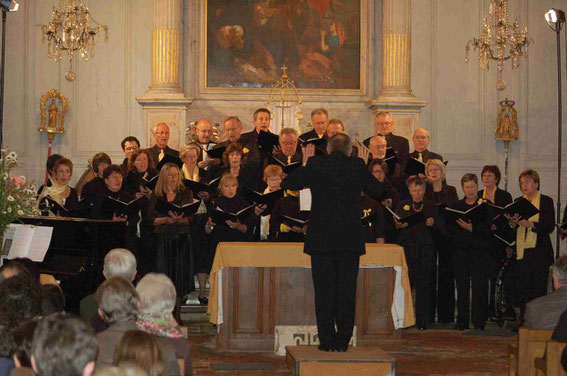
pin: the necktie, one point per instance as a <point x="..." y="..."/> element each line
<point x="288" y="159"/>
<point x="420" y="157"/>
<point x="161" y="155"/>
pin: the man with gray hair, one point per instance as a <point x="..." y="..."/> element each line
<point x="161" y="148"/>
<point x="544" y="312"/>
<point x="334" y="237"/>
<point x="288" y="151"/>
<point x="119" y="262"/>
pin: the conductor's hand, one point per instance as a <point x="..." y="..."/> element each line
<point x="429" y="222"/>
<point x="465" y="225"/>
<point x="363" y="153"/>
<point x="259" y="209"/>
<point x="308" y="151"/>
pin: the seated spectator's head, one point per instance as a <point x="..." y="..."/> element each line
<point x="12" y="268"/>
<point x="157" y="296"/>
<point x="8" y="323"/>
<point x="120" y="262"/>
<point x="559" y="269"/>
<point x="20" y="295"/>
<point x="142" y="349"/>
<point x="63" y="345"/>
<point x="30" y="266"/>
<point x="117" y="301"/>
<point x="23" y="340"/>
<point x="125" y="369"/>
<point x="52" y="299"/>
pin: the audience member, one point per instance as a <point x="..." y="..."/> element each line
<point x="20" y="295"/>
<point x="63" y="345"/>
<point x="52" y="299"/>
<point x="23" y="340"/>
<point x="141" y="349"/>
<point x="544" y="312"/>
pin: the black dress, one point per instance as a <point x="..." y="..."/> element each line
<point x="221" y="232"/>
<point x="69" y="203"/>
<point x="93" y="188"/>
<point x="372" y="217"/>
<point x="418" y="248"/>
<point x="288" y="206"/>
<point x="174" y="256"/>
<point x="443" y="291"/>
<point x="470" y="262"/>
<point x="390" y="230"/>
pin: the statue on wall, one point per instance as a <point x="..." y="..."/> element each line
<point x="53" y="116"/>
<point x="507" y="130"/>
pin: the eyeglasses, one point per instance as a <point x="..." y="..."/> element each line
<point x="172" y="175"/>
<point x="131" y="148"/>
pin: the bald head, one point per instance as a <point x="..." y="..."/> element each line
<point x="378" y="145"/>
<point x="420" y="139"/>
<point x="204" y="131"/>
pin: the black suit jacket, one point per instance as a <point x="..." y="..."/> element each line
<point x="545" y="226"/>
<point x="426" y="155"/>
<point x="501" y="197"/>
<point x="336" y="182"/>
<point x="154" y="153"/>
<point x="399" y="144"/>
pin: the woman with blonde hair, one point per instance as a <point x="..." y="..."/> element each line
<point x="141" y="349"/>
<point x="173" y="246"/>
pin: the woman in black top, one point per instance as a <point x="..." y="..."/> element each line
<point x="173" y="245"/>
<point x="283" y="229"/>
<point x="440" y="194"/>
<point x="497" y="250"/>
<point x="534" y="251"/>
<point x="390" y="198"/>
<point x="234" y="159"/>
<point x="59" y="191"/>
<point x="140" y="172"/>
<point x="470" y="240"/>
<point x="372" y="217"/>
<point x="418" y="248"/>
<point x="95" y="187"/>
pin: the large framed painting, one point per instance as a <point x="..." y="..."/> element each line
<point x="322" y="43"/>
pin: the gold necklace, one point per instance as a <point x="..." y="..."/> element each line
<point x="415" y="209"/>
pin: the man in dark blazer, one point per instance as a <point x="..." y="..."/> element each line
<point x="335" y="236"/>
<point x="383" y="125"/>
<point x="289" y="152"/>
<point x="320" y="122"/>
<point x="161" y="135"/>
<point x="261" y="121"/>
<point x="544" y="312"/>
<point x="421" y="141"/>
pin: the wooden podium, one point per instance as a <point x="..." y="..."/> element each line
<point x="258" y="286"/>
<point x="360" y="361"/>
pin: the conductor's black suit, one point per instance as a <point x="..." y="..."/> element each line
<point x="335" y="237"/>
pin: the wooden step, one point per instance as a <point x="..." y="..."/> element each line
<point x="360" y="361"/>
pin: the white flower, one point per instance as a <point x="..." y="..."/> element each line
<point x="9" y="210"/>
<point x="20" y="212"/>
<point x="10" y="198"/>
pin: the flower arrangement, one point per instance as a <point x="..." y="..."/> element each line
<point x="17" y="196"/>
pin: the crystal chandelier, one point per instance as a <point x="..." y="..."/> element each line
<point x="499" y="41"/>
<point x="70" y="30"/>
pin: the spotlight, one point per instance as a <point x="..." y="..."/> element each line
<point x="9" y="5"/>
<point x="555" y="18"/>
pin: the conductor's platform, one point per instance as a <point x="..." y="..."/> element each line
<point x="360" y="361"/>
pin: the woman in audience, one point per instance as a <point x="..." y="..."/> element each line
<point x="173" y="246"/>
<point x="59" y="191"/>
<point x="189" y="154"/>
<point x="95" y="187"/>
<point x="418" y="247"/>
<point x="141" y="349"/>
<point x="234" y="158"/>
<point x="228" y="201"/>
<point x="390" y="198"/>
<point x="23" y="337"/>
<point x="497" y="250"/>
<point x="534" y="251"/>
<point x="470" y="241"/>
<point x="441" y="194"/>
<point x="273" y="177"/>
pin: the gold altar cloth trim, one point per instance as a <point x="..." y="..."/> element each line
<point x="273" y="255"/>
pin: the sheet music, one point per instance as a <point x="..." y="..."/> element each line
<point x="305" y="199"/>
<point x="30" y="241"/>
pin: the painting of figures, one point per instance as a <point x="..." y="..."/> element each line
<point x="248" y="41"/>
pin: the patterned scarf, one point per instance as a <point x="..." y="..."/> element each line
<point x="55" y="191"/>
<point x="160" y="328"/>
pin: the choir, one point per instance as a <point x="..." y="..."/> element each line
<point x="176" y="206"/>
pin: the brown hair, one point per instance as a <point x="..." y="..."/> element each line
<point x="135" y="156"/>
<point x="382" y="164"/>
<point x="265" y="110"/>
<point x="530" y="174"/>
<point x="272" y="170"/>
<point x="233" y="148"/>
<point x="110" y="169"/>
<point x="337" y="121"/>
<point x="99" y="158"/>
<point x="159" y="190"/>
<point x="415" y="180"/>
<point x="142" y="349"/>
<point x="493" y="169"/>
<point x="469" y="177"/>
<point x="63" y="162"/>
<point x="319" y="111"/>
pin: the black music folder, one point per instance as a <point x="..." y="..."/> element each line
<point x="119" y="207"/>
<point x="169" y="159"/>
<point x="164" y="207"/>
<point x="287" y="168"/>
<point x="197" y="187"/>
<point x="476" y="214"/>
<point x="269" y="199"/>
<point x="220" y="216"/>
<point x="292" y="221"/>
<point x="522" y="206"/>
<point x="216" y="152"/>
<point x="82" y="209"/>
<point x="267" y="141"/>
<point x="150" y="183"/>
<point x="411" y="220"/>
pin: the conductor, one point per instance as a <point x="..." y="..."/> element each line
<point x="334" y="237"/>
